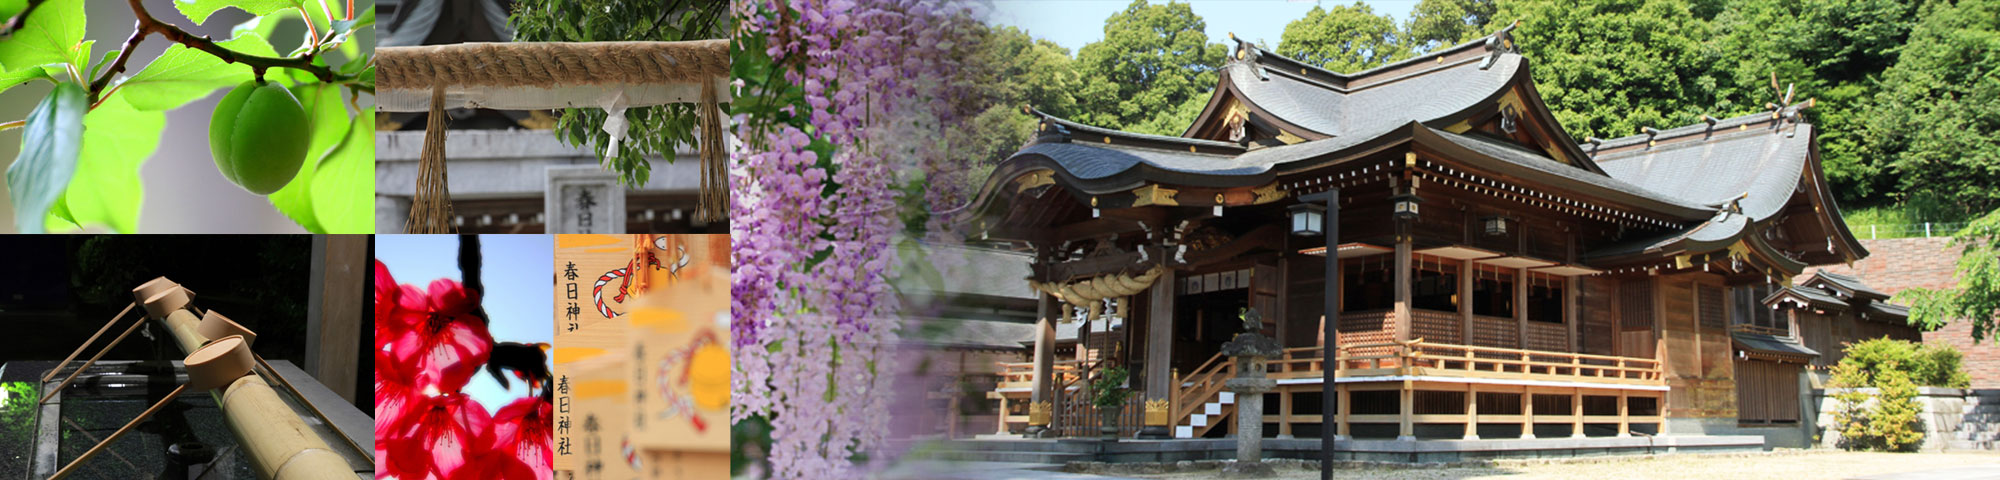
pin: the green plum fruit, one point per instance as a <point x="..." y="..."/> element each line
<point x="258" y="136"/>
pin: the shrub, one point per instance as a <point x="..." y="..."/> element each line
<point x="1109" y="388"/>
<point x="1890" y="418"/>
<point x="1927" y="365"/>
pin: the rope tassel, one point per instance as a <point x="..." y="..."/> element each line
<point x="431" y="210"/>
<point x="714" y="205"/>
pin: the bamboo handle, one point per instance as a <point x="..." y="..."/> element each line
<point x="73" y="464"/>
<point x="86" y="343"/>
<point x="93" y="359"/>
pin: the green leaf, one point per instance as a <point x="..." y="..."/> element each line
<point x="109" y="57"/>
<point x="10" y="8"/>
<point x="51" y="35"/>
<point x="199" y="10"/>
<point x="343" y="188"/>
<point x="49" y="144"/>
<point x="19" y="77"/>
<point x="106" y="191"/>
<point x="326" y="116"/>
<point x="181" y="74"/>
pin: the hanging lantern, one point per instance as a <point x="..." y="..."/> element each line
<point x="1496" y="225"/>
<point x="1308" y="219"/>
<point x="1406" y="206"/>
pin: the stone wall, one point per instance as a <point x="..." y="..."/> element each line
<point x="1900" y="263"/>
<point x="1943" y="410"/>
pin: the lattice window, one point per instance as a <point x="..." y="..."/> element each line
<point x="1713" y="315"/>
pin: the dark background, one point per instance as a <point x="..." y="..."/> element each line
<point x="55" y="291"/>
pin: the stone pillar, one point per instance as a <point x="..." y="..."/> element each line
<point x="583" y="199"/>
<point x="1160" y="384"/>
<point x="1250" y="350"/>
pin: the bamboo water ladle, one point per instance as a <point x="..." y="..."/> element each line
<point x="144" y="291"/>
<point x="162" y="300"/>
<point x="210" y="367"/>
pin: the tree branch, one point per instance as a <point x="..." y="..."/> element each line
<point x="147" y="25"/>
<point x="19" y="19"/>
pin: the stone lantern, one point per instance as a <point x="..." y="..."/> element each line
<point x="1250" y="350"/>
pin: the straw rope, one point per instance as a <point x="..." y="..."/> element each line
<point x="549" y="64"/>
<point x="714" y="206"/>
<point x="431" y="211"/>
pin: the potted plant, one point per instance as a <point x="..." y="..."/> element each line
<point x="1108" y="394"/>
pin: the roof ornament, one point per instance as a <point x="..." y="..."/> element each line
<point x="1786" y="112"/>
<point x="1501" y="42"/>
<point x="1594" y="144"/>
<point x="1245" y="52"/>
<point x="1651" y="134"/>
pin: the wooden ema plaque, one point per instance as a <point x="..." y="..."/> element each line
<point x="641" y="356"/>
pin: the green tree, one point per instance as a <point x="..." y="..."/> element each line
<point x="656" y="130"/>
<point x="1608" y="68"/>
<point x="1152" y="60"/>
<point x="1345" y="38"/>
<point x="1442" y="23"/>
<point x="1825" y="49"/>
<point x="1009" y="70"/>
<point x="1938" y="112"/>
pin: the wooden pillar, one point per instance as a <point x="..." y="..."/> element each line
<point x="1160" y="383"/>
<point x="1465" y="301"/>
<point x="1285" y="414"/>
<point x="1571" y="287"/>
<point x="333" y="325"/>
<point x="1406" y="430"/>
<point x="1571" y="307"/>
<point x="1340" y="419"/>
<point x="1521" y="308"/>
<point x="1527" y="413"/>
<point x="1624" y="418"/>
<point x="1047" y="311"/>
<point x="1402" y="281"/>
<point x="1471" y="411"/>
<point x="1576" y="414"/>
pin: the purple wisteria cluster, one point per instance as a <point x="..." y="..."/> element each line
<point x="814" y="212"/>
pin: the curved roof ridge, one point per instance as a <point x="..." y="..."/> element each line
<point x="1721" y="126"/>
<point x="1047" y="119"/>
<point x="1498" y="40"/>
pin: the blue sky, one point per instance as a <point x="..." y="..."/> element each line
<point x="519" y="273"/>
<point x="1074" y="23"/>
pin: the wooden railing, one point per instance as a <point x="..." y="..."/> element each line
<point x="1760" y="329"/>
<point x="1022" y="374"/>
<point x="1417" y="357"/>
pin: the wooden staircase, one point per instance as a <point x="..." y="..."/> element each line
<point x="1200" y="404"/>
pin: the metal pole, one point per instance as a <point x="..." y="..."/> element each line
<point x="1331" y="315"/>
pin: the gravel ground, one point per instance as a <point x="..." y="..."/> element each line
<point x="1782" y="465"/>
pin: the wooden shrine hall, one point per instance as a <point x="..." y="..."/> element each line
<point x="1499" y="278"/>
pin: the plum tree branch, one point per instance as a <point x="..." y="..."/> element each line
<point x="19" y="19"/>
<point x="147" y="25"/>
